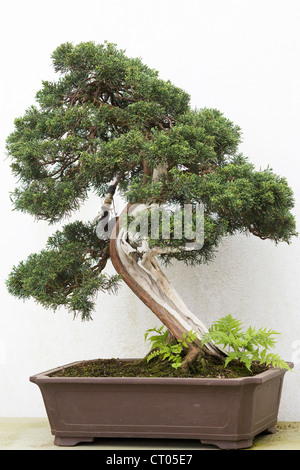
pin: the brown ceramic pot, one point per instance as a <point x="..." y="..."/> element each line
<point x="227" y="413"/>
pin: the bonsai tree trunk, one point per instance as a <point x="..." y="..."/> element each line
<point x="140" y="270"/>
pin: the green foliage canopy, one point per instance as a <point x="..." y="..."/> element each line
<point x="108" y="114"/>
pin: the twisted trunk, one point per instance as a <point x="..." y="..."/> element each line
<point x="140" y="270"/>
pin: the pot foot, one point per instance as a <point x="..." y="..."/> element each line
<point x="229" y="445"/>
<point x="71" y="441"/>
<point x="271" y="430"/>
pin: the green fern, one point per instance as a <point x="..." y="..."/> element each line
<point x="170" y="351"/>
<point x="247" y="347"/>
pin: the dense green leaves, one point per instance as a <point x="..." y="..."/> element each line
<point x="93" y="122"/>
<point x="244" y="346"/>
<point x="108" y="114"/>
<point x="259" y="202"/>
<point x="170" y="351"/>
<point x="67" y="273"/>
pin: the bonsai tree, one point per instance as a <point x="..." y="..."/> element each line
<point x="110" y="123"/>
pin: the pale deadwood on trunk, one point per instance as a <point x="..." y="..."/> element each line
<point x="140" y="270"/>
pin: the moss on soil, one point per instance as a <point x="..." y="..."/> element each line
<point x="209" y="367"/>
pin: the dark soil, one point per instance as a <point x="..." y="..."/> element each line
<point x="199" y="367"/>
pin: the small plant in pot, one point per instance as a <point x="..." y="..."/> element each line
<point x="248" y="349"/>
<point x="108" y="124"/>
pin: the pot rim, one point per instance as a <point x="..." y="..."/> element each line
<point x="45" y="377"/>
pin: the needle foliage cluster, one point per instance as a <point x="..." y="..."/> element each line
<point x="107" y="114"/>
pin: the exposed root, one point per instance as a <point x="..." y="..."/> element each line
<point x="191" y="355"/>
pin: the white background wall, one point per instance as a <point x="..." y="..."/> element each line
<point x="240" y="56"/>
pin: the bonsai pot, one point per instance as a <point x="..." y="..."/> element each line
<point x="227" y="413"/>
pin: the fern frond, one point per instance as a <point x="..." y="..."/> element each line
<point x="244" y="346"/>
